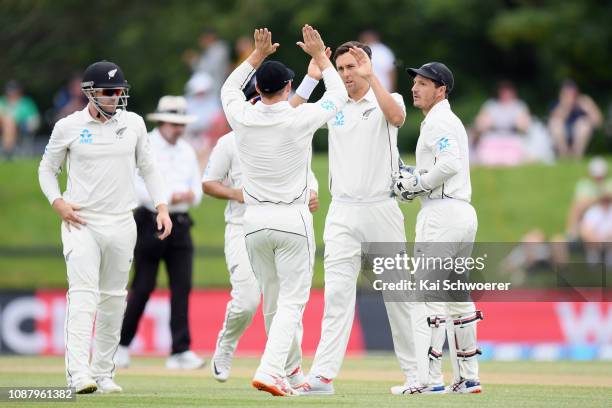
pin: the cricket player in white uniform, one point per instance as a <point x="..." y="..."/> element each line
<point x="442" y="180"/>
<point x="363" y="157"/>
<point x="274" y="147"/>
<point x="102" y="146"/>
<point x="223" y="179"/>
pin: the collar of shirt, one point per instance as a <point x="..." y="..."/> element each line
<point x="86" y="115"/>
<point x="368" y="97"/>
<point x="276" y="107"/>
<point x="438" y="107"/>
<point x="157" y="138"/>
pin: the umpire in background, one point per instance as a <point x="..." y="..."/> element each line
<point x="179" y="167"/>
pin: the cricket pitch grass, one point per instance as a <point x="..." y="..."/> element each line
<point x="363" y="382"/>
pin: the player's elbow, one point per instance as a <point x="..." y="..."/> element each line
<point x="397" y="119"/>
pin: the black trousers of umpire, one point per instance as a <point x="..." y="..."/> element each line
<point x="177" y="253"/>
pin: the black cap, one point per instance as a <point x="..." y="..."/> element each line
<point x="272" y="76"/>
<point x="249" y="89"/>
<point x="437" y="72"/>
<point x="104" y="74"/>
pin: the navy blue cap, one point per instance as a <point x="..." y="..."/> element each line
<point x="437" y="72"/>
<point x="272" y="76"/>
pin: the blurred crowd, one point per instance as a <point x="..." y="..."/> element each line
<point x="587" y="237"/>
<point x="503" y="133"/>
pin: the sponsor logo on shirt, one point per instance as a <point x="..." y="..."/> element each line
<point x="366" y="114"/>
<point x="86" y="137"/>
<point x="443" y="144"/>
<point x="328" y="105"/>
<point x="339" y="119"/>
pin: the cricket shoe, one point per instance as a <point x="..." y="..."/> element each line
<point x="85" y="386"/>
<point x="277" y="386"/>
<point x="416" y="388"/>
<point x="187" y="360"/>
<point x="317" y="385"/>
<point x="122" y="357"/>
<point x="296" y="379"/>
<point x="464" y="386"/>
<point x="108" y="386"/>
<point x="221" y="365"/>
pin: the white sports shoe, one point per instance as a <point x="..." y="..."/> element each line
<point x="317" y="385"/>
<point x="108" y="386"/>
<point x="221" y="365"/>
<point x="297" y="378"/>
<point x="416" y="388"/>
<point x="277" y="386"/>
<point x="122" y="357"/>
<point x="187" y="360"/>
<point x="85" y="386"/>
<point x="464" y="386"/>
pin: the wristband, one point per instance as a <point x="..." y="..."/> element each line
<point x="306" y="87"/>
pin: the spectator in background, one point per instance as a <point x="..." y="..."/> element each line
<point x="572" y="120"/>
<point x="210" y="124"/>
<point x="587" y="192"/>
<point x="243" y="47"/>
<point x="213" y="60"/>
<point x="500" y="126"/>
<point x="69" y="99"/>
<point x="596" y="230"/>
<point x="18" y="117"/>
<point x="383" y="60"/>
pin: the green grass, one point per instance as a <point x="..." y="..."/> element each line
<point x="509" y="202"/>
<point x="363" y="382"/>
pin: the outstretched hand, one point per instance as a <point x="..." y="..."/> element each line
<point x="313" y="68"/>
<point x="364" y="64"/>
<point x="313" y="43"/>
<point x="263" y="42"/>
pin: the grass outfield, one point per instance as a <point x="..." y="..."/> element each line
<point x="364" y="382"/>
<point x="509" y="202"/>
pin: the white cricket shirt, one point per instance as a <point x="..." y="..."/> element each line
<point x="363" y="151"/>
<point x="224" y="166"/>
<point x="179" y="168"/>
<point x="274" y="141"/>
<point x="442" y="150"/>
<point x="100" y="161"/>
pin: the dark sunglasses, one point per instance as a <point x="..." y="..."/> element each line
<point x="112" y="92"/>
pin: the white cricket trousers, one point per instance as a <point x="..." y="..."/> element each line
<point x="281" y="248"/>
<point x="347" y="226"/>
<point x="245" y="294"/>
<point x="450" y="224"/>
<point x="98" y="260"/>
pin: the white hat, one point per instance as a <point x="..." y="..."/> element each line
<point x="598" y="167"/>
<point x="199" y="82"/>
<point x="172" y="109"/>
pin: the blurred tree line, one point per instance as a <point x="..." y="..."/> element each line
<point x="534" y="43"/>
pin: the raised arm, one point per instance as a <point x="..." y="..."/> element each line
<point x="232" y="98"/>
<point x="391" y="109"/>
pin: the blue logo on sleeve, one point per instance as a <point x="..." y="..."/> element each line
<point x="339" y="119"/>
<point x="443" y="144"/>
<point x="86" y="137"/>
<point x="328" y="105"/>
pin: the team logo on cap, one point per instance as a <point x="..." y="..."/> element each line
<point x="111" y="73"/>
